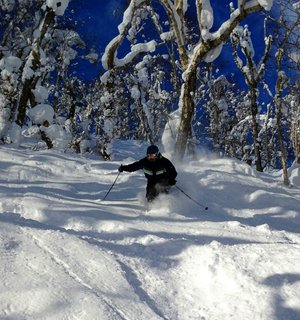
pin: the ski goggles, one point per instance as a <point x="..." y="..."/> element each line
<point x="152" y="156"/>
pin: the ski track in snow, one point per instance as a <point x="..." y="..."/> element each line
<point x="67" y="255"/>
<point x="75" y="276"/>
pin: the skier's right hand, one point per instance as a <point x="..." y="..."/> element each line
<point x="172" y="182"/>
<point x="121" y="169"/>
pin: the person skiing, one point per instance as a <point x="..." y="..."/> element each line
<point x="159" y="171"/>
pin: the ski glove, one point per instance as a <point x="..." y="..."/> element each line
<point x="172" y="182"/>
<point x="121" y="169"/>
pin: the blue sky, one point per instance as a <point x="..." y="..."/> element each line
<point x="99" y="20"/>
<point x="97" y="25"/>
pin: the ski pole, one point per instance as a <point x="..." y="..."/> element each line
<point x="199" y="204"/>
<point x="111" y="186"/>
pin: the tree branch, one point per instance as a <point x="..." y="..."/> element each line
<point x="221" y="35"/>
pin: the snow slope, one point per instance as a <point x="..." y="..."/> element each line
<point x="65" y="254"/>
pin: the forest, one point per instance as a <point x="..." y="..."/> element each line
<point x="158" y="80"/>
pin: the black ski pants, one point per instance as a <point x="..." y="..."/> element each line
<point x="153" y="189"/>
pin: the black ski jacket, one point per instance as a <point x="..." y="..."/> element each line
<point x="159" y="170"/>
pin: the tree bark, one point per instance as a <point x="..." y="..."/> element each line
<point x="187" y="113"/>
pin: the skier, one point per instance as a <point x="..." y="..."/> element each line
<point x="158" y="170"/>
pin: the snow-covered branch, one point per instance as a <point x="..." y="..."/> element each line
<point x="135" y="50"/>
<point x="221" y="35"/>
<point x="58" y="6"/>
<point x="206" y="18"/>
<point x="176" y="17"/>
<point x="262" y="64"/>
<point x="109" y="57"/>
<point x="208" y="48"/>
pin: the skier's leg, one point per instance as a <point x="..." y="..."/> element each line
<point x="151" y="192"/>
<point x="162" y="187"/>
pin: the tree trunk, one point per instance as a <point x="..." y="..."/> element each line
<point x="295" y="137"/>
<point x="26" y="92"/>
<point x="256" y="142"/>
<point x="187" y="113"/>
<point x="266" y="138"/>
<point x="280" y="84"/>
<point x="281" y="143"/>
<point x="46" y="139"/>
<point x="144" y="126"/>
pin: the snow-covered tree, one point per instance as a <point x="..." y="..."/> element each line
<point x="10" y="73"/>
<point x="60" y="56"/>
<point x="16" y="25"/>
<point x="35" y="64"/>
<point x="293" y="101"/>
<point x="207" y="46"/>
<point x="108" y="100"/>
<point x="150" y="102"/>
<point x="287" y="34"/>
<point x="253" y="74"/>
<point x="221" y="114"/>
<point x="239" y="146"/>
<point x="131" y="102"/>
<point x="286" y="57"/>
<point x="71" y="110"/>
<point x="35" y="54"/>
<point x="281" y="83"/>
<point x="280" y="113"/>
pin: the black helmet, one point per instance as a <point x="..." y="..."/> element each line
<point x="152" y="149"/>
<point x="152" y="152"/>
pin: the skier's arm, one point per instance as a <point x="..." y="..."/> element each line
<point x="171" y="171"/>
<point x="131" y="167"/>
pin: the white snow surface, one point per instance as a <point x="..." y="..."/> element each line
<point x="65" y="254"/>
